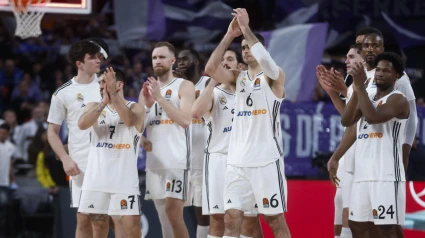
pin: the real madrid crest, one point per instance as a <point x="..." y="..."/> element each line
<point x="243" y="82"/>
<point x="80" y="97"/>
<point x="223" y="100"/>
<point x="103" y="113"/>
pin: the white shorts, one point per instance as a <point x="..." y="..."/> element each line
<point x="171" y="183"/>
<point x="381" y="202"/>
<point x="213" y="186"/>
<point x="338" y="206"/>
<point x="346" y="189"/>
<point x="93" y="202"/>
<point x="195" y="187"/>
<point x="75" y="186"/>
<point x="265" y="186"/>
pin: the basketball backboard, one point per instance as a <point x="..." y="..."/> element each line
<point x="58" y="6"/>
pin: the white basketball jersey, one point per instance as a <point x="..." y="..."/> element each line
<point x="256" y="138"/>
<point x="219" y="123"/>
<point x="198" y="131"/>
<point x="378" y="155"/>
<point x="171" y="143"/>
<point x="114" y="148"/>
<point x="68" y="104"/>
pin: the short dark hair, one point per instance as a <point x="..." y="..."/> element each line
<point x="357" y="47"/>
<point x="369" y="30"/>
<point x="238" y="55"/>
<point x="394" y="59"/>
<point x="194" y="54"/>
<point x="5" y="126"/>
<point x="119" y="75"/>
<point x="166" y="44"/>
<point x="260" y="38"/>
<point x="374" y="34"/>
<point x="79" y="49"/>
<point x="100" y="42"/>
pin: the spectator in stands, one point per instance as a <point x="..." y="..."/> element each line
<point x="7" y="151"/>
<point x="416" y="166"/>
<point x="29" y="129"/>
<point x="138" y="77"/>
<point x="25" y="97"/>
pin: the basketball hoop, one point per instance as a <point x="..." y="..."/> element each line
<point x="28" y="18"/>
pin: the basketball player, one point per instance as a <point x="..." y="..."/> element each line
<point x="67" y="103"/>
<point x="111" y="184"/>
<point x="168" y="116"/>
<point x="104" y="48"/>
<point x="378" y="192"/>
<point x="255" y="171"/>
<point x="216" y="106"/>
<point x="188" y="62"/>
<point x="342" y="196"/>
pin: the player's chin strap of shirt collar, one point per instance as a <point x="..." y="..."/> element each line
<point x="105" y="55"/>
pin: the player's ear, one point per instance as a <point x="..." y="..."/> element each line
<point x="173" y="61"/>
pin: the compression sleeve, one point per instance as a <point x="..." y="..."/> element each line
<point x="266" y="62"/>
<point x="411" y="124"/>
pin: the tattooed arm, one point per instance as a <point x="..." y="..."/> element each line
<point x="91" y="112"/>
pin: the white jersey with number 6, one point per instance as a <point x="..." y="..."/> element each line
<point x="171" y="143"/>
<point x="256" y="138"/>
<point x="114" y="147"/>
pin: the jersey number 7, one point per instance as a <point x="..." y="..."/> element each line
<point x="112" y="130"/>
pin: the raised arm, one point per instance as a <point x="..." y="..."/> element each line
<point x="90" y="115"/>
<point x="203" y="104"/>
<point x="182" y="115"/>
<point x="352" y="112"/>
<point x="324" y="77"/>
<point x="213" y="67"/>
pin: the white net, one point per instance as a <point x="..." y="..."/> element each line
<point x="28" y="14"/>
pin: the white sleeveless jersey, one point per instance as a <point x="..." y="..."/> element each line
<point x="68" y="104"/>
<point x="378" y="155"/>
<point x="114" y="148"/>
<point x="256" y="138"/>
<point x="219" y="123"/>
<point x="198" y="131"/>
<point x="171" y="143"/>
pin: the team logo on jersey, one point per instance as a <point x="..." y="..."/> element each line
<point x="123" y="204"/>
<point x="257" y="84"/>
<point x="371" y="135"/>
<point x="197" y="93"/>
<point x="379" y="103"/>
<point x="168" y="186"/>
<point x="223" y="100"/>
<point x="243" y="82"/>
<point x="80" y="97"/>
<point x="168" y="94"/>
<point x="197" y="121"/>
<point x="375" y="214"/>
<point x="265" y="202"/>
<point x="103" y="113"/>
<point x="113" y="146"/>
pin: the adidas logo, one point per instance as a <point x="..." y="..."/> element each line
<point x="102" y="122"/>
<point x="351" y="213"/>
<point x="83" y="105"/>
<point x="147" y="192"/>
<point x="121" y="122"/>
<point x="365" y="126"/>
<point x="215" y="207"/>
<point x="229" y="201"/>
<point x="225" y="108"/>
<point x="242" y="91"/>
<point x="256" y="206"/>
<point x="91" y="206"/>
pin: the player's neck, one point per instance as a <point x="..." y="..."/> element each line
<point x="165" y="79"/>
<point x="120" y="94"/>
<point x="83" y="77"/>
<point x="369" y="67"/>
<point x="229" y="87"/>
<point x="195" y="77"/>
<point x="254" y="69"/>
<point x="380" y="93"/>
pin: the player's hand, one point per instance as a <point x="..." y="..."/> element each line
<point x="106" y="98"/>
<point x="147" y="97"/>
<point x="146" y="144"/>
<point x="69" y="166"/>
<point x="234" y="30"/>
<point x="322" y="76"/>
<point x="332" y="169"/>
<point x="153" y="88"/>
<point x="337" y="81"/>
<point x="359" y="75"/>
<point x="111" y="81"/>
<point x="179" y="74"/>
<point x="242" y="17"/>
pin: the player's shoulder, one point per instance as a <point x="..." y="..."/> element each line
<point x="186" y="83"/>
<point x="64" y="88"/>
<point x="9" y="145"/>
